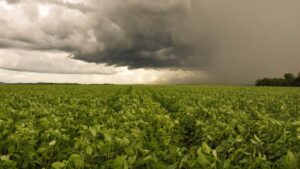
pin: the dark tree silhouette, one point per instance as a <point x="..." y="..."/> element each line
<point x="289" y="76"/>
<point x="288" y="80"/>
<point x="297" y="80"/>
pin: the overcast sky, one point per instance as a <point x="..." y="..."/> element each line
<point x="148" y="41"/>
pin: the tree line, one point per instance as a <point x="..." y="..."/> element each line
<point x="289" y="79"/>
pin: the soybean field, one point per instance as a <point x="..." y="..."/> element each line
<point x="151" y="127"/>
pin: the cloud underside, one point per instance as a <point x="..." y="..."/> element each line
<point x="136" y="76"/>
<point x="53" y="62"/>
<point x="233" y="41"/>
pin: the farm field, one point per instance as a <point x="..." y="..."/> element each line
<point x="173" y="127"/>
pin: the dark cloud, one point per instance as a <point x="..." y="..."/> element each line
<point x="143" y="34"/>
<point x="137" y="34"/>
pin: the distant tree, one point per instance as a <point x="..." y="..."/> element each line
<point x="263" y="82"/>
<point x="297" y="80"/>
<point x="288" y="80"/>
<point x="289" y="76"/>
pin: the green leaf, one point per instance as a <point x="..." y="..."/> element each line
<point x="227" y="164"/>
<point x="107" y="137"/>
<point x="215" y="154"/>
<point x="41" y="150"/>
<point x="244" y="160"/>
<point x="4" y="158"/>
<point x="89" y="150"/>
<point x="205" y="148"/>
<point x="120" y="162"/>
<point x="290" y="160"/>
<point x="58" y="165"/>
<point x="52" y="143"/>
<point x="257" y="139"/>
<point x="202" y="159"/>
<point x="93" y="131"/>
<point x="77" y="160"/>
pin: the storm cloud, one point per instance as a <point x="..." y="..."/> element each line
<point x="232" y="41"/>
<point x="147" y="34"/>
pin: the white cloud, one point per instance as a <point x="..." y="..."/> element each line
<point x="44" y="10"/>
<point x="54" y="62"/>
<point x="137" y="76"/>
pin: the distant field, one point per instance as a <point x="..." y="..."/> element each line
<point x="110" y="126"/>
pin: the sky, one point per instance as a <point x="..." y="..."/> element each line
<point x="148" y="42"/>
